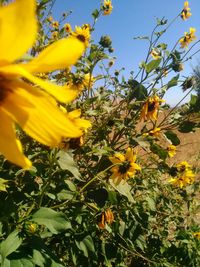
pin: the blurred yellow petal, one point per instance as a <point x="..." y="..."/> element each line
<point x="61" y="93"/>
<point x="38" y="115"/>
<point x="10" y="146"/>
<point x="59" y="55"/>
<point x="18" y="26"/>
<point x="117" y="158"/>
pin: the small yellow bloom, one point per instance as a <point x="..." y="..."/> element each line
<point x="185" y="13"/>
<point x="156" y="54"/>
<point x="150" y="108"/>
<point x="125" y="166"/>
<point x="55" y="24"/>
<point x="67" y="28"/>
<point x="50" y="19"/>
<point x="197" y="235"/>
<point x="155" y="132"/>
<point x="184" y="175"/>
<point x="106" y="217"/>
<point x="171" y="151"/>
<point x="88" y="81"/>
<point x="54" y="34"/>
<point x="35" y="110"/>
<point x="107" y="7"/>
<point x="82" y="34"/>
<point x="188" y="38"/>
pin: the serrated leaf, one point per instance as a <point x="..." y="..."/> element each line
<point x="123" y="188"/>
<point x="172" y="137"/>
<point x="152" y="65"/>
<point x="10" y="244"/>
<point x="66" y="162"/>
<point x="55" y="221"/>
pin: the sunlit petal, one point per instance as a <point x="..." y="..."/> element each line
<point x="59" y="55"/>
<point x="38" y="115"/>
<point x="10" y="146"/>
<point x="18" y="27"/>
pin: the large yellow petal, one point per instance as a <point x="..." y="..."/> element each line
<point x="61" y="93"/>
<point x="18" y="28"/>
<point x="59" y="55"/>
<point x="38" y="115"/>
<point x="11" y="147"/>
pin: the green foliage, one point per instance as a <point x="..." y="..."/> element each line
<point x="67" y="210"/>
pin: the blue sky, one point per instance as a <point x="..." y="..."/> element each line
<point x="134" y="18"/>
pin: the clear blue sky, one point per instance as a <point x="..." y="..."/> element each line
<point x="134" y="18"/>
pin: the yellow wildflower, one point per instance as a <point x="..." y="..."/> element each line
<point x="155" y="54"/>
<point x="106" y="217"/>
<point x="55" y="24"/>
<point x="54" y="34"/>
<point x="150" y="108"/>
<point x="126" y="166"/>
<point x="197" y="235"/>
<point x="67" y="28"/>
<point x="82" y="34"/>
<point x="185" y="13"/>
<point x="107" y="7"/>
<point x="35" y="110"/>
<point x="50" y="19"/>
<point x="184" y="175"/>
<point x="171" y="151"/>
<point x="188" y="38"/>
<point x="88" y="80"/>
<point x="155" y="132"/>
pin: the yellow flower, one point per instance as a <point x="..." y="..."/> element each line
<point x="107" y="7"/>
<point x="82" y="34"/>
<point x="55" y="24"/>
<point x="106" y="217"/>
<point x="171" y="151"/>
<point x="67" y="28"/>
<point x="88" y="81"/>
<point x="185" y="13"/>
<point x="126" y="166"/>
<point x="54" y="34"/>
<point x="155" y="54"/>
<point x="197" y="235"/>
<point x="150" y="108"/>
<point x="35" y="110"/>
<point x="155" y="132"/>
<point x="184" y="176"/>
<point x="188" y="38"/>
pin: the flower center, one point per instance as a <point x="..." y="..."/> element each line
<point x="81" y="37"/>
<point x="4" y="89"/>
<point x="151" y="106"/>
<point x="123" y="168"/>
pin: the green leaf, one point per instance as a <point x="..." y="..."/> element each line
<point x="55" y="221"/>
<point x="64" y="195"/>
<point x="10" y="244"/>
<point x="89" y="243"/>
<point x="158" y="150"/>
<point x="172" y="137"/>
<point x="66" y="162"/>
<point x="173" y="81"/>
<point x="193" y="100"/>
<point x="137" y="91"/>
<point x="187" y="126"/>
<point x="81" y="246"/>
<point x="95" y="13"/>
<point x="3" y="184"/>
<point x="152" y="65"/>
<point x="151" y="203"/>
<point x="123" y="188"/>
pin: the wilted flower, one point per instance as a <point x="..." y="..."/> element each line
<point x="185" y="13"/>
<point x="171" y="150"/>
<point x="30" y="107"/>
<point x="107" y="7"/>
<point x="150" y="108"/>
<point x="106" y="217"/>
<point x="125" y="166"/>
<point x="188" y="38"/>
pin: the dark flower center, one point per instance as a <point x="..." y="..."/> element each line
<point x="124" y="167"/>
<point x="151" y="106"/>
<point x="81" y="37"/>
